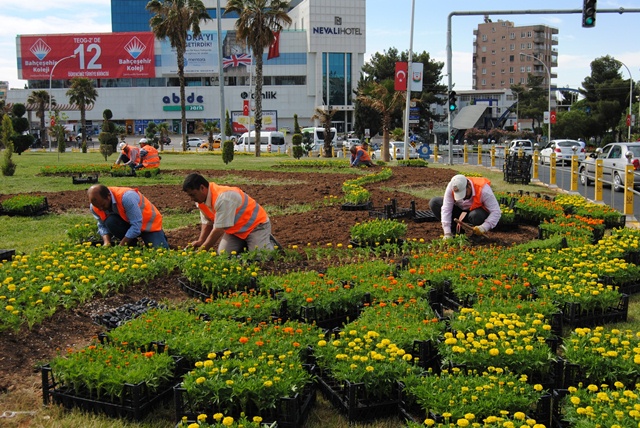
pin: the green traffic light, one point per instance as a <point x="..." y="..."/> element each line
<point x="452" y="107"/>
<point x="588" y="21"/>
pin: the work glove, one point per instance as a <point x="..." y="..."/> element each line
<point x="447" y="236"/>
<point x="479" y="230"/>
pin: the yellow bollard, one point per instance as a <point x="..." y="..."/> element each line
<point x="597" y="197"/>
<point x="435" y="153"/>
<point x="465" y="151"/>
<point x="574" y="173"/>
<point x="493" y="157"/>
<point x="552" y="170"/>
<point x="536" y="155"/>
<point x="628" y="190"/>
<point x="479" y="154"/>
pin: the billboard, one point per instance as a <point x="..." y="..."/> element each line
<point x="97" y="56"/>
<point x="200" y="58"/>
<point x="240" y="123"/>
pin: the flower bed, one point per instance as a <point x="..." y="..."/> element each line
<point x="24" y="205"/>
<point x="216" y="273"/>
<point x="593" y="405"/>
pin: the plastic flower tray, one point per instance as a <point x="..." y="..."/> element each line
<point x="126" y="312"/>
<point x="89" y="179"/>
<point x="390" y="211"/>
<point x="309" y="314"/>
<point x="28" y="211"/>
<point x="290" y="412"/>
<point x="136" y="401"/>
<point x="351" y="400"/>
<point x="356" y="207"/>
<point x="7" y="254"/>
<point x="517" y="169"/>
<point x="575" y="316"/>
<point x="196" y="290"/>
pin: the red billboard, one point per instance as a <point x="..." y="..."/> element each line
<point x="93" y="56"/>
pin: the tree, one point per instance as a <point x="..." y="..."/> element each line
<point x="385" y="100"/>
<point x="533" y="99"/>
<point x="324" y="116"/>
<point x="21" y="139"/>
<point x="173" y="19"/>
<point x="228" y="130"/>
<point x="41" y="99"/>
<point x="257" y="23"/>
<point x="83" y="94"/>
<point x="108" y="138"/>
<point x="6" y="133"/>
<point x="163" y="128"/>
<point x="209" y="128"/>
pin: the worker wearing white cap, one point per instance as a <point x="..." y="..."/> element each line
<point x="129" y="155"/>
<point x="468" y="199"/>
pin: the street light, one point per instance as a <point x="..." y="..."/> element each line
<point x="549" y="81"/>
<point x="630" y="98"/>
<point x="50" y="97"/>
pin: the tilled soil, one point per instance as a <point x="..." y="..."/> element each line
<point x="21" y="353"/>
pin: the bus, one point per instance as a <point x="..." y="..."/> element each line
<point x="313" y="137"/>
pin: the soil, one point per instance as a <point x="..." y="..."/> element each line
<point x="22" y="353"/>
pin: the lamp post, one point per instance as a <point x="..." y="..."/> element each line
<point x="50" y="97"/>
<point x="630" y="98"/>
<point x="548" y="81"/>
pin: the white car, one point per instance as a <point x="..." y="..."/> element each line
<point x="615" y="158"/>
<point x="516" y="145"/>
<point x="563" y="150"/>
<point x="194" y="142"/>
<point x="396" y="151"/>
<point x="350" y="142"/>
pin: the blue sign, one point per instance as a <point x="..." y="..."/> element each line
<point x="424" y="151"/>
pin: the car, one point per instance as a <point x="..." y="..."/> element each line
<point x="396" y="151"/>
<point x="563" y="150"/>
<point x="516" y="145"/>
<point x="456" y="150"/>
<point x="350" y="142"/>
<point x="615" y="157"/>
<point x="194" y="142"/>
<point x="216" y="144"/>
<point x="79" y="137"/>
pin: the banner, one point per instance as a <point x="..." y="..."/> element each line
<point x="400" y="83"/>
<point x="97" y="56"/>
<point x="200" y="58"/>
<point x="241" y="123"/>
<point x="416" y="76"/>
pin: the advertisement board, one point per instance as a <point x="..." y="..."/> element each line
<point x="200" y="58"/>
<point x="93" y="56"/>
<point x="240" y="123"/>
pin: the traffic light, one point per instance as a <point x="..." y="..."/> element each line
<point x="452" y="101"/>
<point x="589" y="13"/>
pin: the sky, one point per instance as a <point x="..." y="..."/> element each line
<point x="388" y="25"/>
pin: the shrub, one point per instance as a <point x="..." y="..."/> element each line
<point x="227" y="151"/>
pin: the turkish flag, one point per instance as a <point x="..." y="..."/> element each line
<point x="274" y="48"/>
<point x="245" y="108"/>
<point x="401" y="76"/>
<point x="553" y="117"/>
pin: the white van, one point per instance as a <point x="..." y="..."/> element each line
<point x="270" y="141"/>
<point x="314" y="137"/>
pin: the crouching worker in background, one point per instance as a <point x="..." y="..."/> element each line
<point x="469" y="200"/>
<point x="359" y="156"/>
<point x="129" y="155"/>
<point x="230" y="215"/>
<point x="126" y="214"/>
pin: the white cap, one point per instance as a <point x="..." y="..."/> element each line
<point x="143" y="141"/>
<point x="459" y="186"/>
<point x="121" y="146"/>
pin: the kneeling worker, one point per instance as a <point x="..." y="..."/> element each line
<point x="128" y="155"/>
<point x="470" y="200"/>
<point x="126" y="214"/>
<point x="149" y="157"/>
<point x="228" y="214"/>
<point x="359" y="156"/>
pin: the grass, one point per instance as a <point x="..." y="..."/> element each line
<point x="25" y="234"/>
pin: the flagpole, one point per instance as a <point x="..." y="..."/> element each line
<point x="250" y="92"/>
<point x="223" y="117"/>
<point x="409" y="80"/>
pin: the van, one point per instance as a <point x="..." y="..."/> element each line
<point x="313" y="137"/>
<point x="270" y="141"/>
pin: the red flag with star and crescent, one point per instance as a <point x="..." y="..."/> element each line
<point x="274" y="48"/>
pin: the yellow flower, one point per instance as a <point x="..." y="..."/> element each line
<point x="228" y="421"/>
<point x="257" y="419"/>
<point x="429" y="422"/>
<point x="462" y="422"/>
<point x="494" y="352"/>
<point x="322" y="343"/>
<point x="46" y="289"/>
<point x="200" y="380"/>
<point x="193" y="425"/>
<point x="218" y="416"/>
<point x="202" y="417"/>
<point x="268" y="384"/>
<point x="369" y="368"/>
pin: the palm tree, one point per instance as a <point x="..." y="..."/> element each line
<point x="41" y="99"/>
<point x="325" y="116"/>
<point x="173" y="19"/>
<point x="258" y="21"/>
<point x="83" y="94"/>
<point x="385" y="100"/>
<point x="210" y="128"/>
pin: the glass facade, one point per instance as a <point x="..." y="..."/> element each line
<point x="336" y="78"/>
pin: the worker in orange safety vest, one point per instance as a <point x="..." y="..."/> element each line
<point x="124" y="213"/>
<point x="230" y="215"/>
<point x="149" y="157"/>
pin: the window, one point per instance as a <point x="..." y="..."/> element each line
<point x="483" y="60"/>
<point x="511" y="58"/>
<point x="511" y="70"/>
<point x="502" y="71"/>
<point x="529" y="45"/>
<point x="493" y="63"/>
<point x="484" y="82"/>
<point x="484" y="37"/>
<point x="512" y="47"/>
<point x="522" y="69"/>
<point x="512" y="36"/>
<point x="523" y="45"/>
<point x="511" y="81"/>
<point x="523" y="80"/>
<point x="529" y="34"/>
<point x="529" y="69"/>
<point x="484" y="49"/>
<point x="484" y="71"/>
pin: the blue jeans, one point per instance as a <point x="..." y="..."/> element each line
<point x="118" y="228"/>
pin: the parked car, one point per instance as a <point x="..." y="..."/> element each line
<point x="563" y="150"/>
<point x="194" y="142"/>
<point x="396" y="151"/>
<point x="350" y="142"/>
<point x="525" y="145"/>
<point x="614" y="161"/>
<point x="79" y="137"/>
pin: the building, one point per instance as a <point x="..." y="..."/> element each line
<point x="320" y="57"/>
<point x="4" y="87"/>
<point x="504" y="55"/>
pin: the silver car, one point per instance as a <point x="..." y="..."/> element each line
<point x="563" y="150"/>
<point x="615" y="157"/>
<point x="396" y="151"/>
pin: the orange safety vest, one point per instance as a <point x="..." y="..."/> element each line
<point x="151" y="159"/>
<point x="248" y="216"/>
<point x="364" y="157"/>
<point x="133" y="153"/>
<point x="151" y="217"/>
<point x="477" y="183"/>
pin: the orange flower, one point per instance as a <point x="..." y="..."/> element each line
<point x="309" y="299"/>
<point x="149" y="354"/>
<point x="243" y="340"/>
